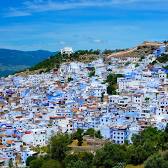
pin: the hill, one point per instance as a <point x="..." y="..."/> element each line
<point x="15" y="60"/>
<point x="57" y="59"/>
<point x="143" y="49"/>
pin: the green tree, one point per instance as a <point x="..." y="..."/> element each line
<point x="111" y="89"/>
<point x="86" y="157"/>
<point x="98" y="134"/>
<point x="138" y="155"/>
<point x="37" y="163"/>
<point x="81" y="158"/>
<point x="136" y="65"/>
<point x="166" y="129"/>
<point x="145" y="144"/>
<point x="92" y="73"/>
<point x="110" y="155"/>
<point x="112" y="83"/>
<point x="10" y="163"/>
<point x="29" y="159"/>
<point x="127" y="63"/>
<point x="58" y="146"/>
<point x="91" y="132"/>
<point x="70" y="159"/>
<point x="51" y="164"/>
<point x="77" y="164"/>
<point x="70" y="79"/>
<point x="79" y="136"/>
<point x="156" y="161"/>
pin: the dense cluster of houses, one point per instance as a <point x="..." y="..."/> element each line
<point x="35" y="107"/>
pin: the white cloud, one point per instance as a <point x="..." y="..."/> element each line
<point x="62" y="42"/>
<point x="98" y="41"/>
<point x="35" y="6"/>
<point x="16" y="13"/>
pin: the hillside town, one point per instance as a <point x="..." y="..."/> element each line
<point x="35" y="107"/>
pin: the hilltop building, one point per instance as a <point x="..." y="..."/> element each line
<point x="67" y="50"/>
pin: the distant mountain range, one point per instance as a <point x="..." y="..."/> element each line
<point x="16" y="60"/>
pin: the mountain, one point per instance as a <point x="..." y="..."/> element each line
<point x="16" y="60"/>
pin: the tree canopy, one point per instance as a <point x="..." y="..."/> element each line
<point x="58" y="146"/>
<point x="112" y="83"/>
<point x="149" y="147"/>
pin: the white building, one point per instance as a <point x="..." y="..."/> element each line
<point x="67" y="50"/>
<point x="35" y="137"/>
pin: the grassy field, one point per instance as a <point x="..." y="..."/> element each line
<point x="84" y="148"/>
<point x="132" y="166"/>
<point x="75" y="143"/>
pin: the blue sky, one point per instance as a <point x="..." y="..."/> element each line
<point x="81" y="24"/>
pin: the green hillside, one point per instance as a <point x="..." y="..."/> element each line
<point x="56" y="60"/>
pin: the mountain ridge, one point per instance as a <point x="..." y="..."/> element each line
<point x="12" y="60"/>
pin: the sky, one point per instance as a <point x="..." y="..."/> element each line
<point x="81" y="24"/>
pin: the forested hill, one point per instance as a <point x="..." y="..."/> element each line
<point x="57" y="59"/>
<point x="14" y="60"/>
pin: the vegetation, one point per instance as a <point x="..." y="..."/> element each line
<point x="166" y="67"/>
<point x="92" y="73"/>
<point x="127" y="63"/>
<point x="37" y="163"/>
<point x="79" y="160"/>
<point x="29" y="159"/>
<point x="56" y="60"/>
<point x="10" y="163"/>
<point x="79" y="136"/>
<point x="144" y="50"/>
<point x="163" y="58"/>
<point x="157" y="160"/>
<point x="112" y="83"/>
<point x="133" y="166"/>
<point x="48" y="64"/>
<point x="110" y="156"/>
<point x="136" y="65"/>
<point x="70" y="79"/>
<point x="51" y="164"/>
<point x="150" y="148"/>
<point x="91" y="132"/>
<point x="58" y="146"/>
<point x="142" y="57"/>
<point x="108" y="52"/>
